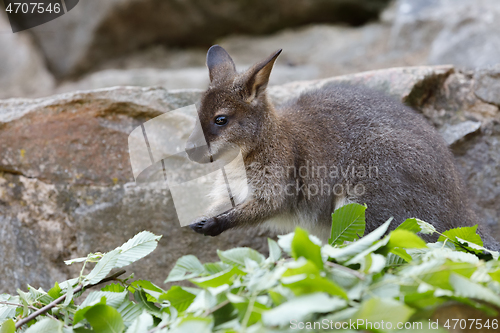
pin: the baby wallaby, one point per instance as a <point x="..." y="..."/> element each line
<point x="328" y="147"/>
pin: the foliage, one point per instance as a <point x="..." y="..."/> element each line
<point x="384" y="277"/>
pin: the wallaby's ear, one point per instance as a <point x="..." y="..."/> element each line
<point x="219" y="63"/>
<point x="257" y="76"/>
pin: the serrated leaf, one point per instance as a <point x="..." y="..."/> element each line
<point x="465" y="288"/>
<point x="8" y="326"/>
<point x="69" y="296"/>
<point x="99" y="297"/>
<point x="343" y="254"/>
<point x="55" y="292"/>
<point x="137" y="248"/>
<point x="477" y="248"/>
<point x="417" y="226"/>
<point x="141" y="298"/>
<point x="129" y="311"/>
<point x="348" y="224"/>
<point x="114" y="288"/>
<point x="244" y="305"/>
<point x="468" y="234"/>
<point x="141" y="324"/>
<point x="215" y="267"/>
<point x="153" y="292"/>
<point x="304" y="277"/>
<point x="237" y="256"/>
<point x="216" y="280"/>
<point x="185" y="268"/>
<point x="274" y="250"/>
<point x="178" y="298"/>
<point x="300" y="308"/>
<point x="302" y="246"/>
<point x="102" y="268"/>
<point x="405" y="239"/>
<point x="105" y="319"/>
<point x="46" y="325"/>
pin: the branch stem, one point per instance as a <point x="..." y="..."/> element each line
<point x="52" y="304"/>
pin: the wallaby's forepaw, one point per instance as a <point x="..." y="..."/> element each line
<point x="207" y="226"/>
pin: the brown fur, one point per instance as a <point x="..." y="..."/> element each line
<point x="413" y="173"/>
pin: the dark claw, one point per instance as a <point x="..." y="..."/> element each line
<point x="207" y="226"/>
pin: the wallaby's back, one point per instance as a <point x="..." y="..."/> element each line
<point x="412" y="170"/>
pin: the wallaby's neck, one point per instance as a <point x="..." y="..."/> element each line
<point x="272" y="141"/>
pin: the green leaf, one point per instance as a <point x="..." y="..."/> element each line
<point x="215" y="267"/>
<point x="152" y="291"/>
<point x="178" y="298"/>
<point x="244" y="305"/>
<point x="114" y="288"/>
<point x="405" y="239"/>
<point x="343" y="254"/>
<point x="302" y="246"/>
<point x="237" y="256"/>
<point x="185" y="268"/>
<point x="137" y="248"/>
<point x="8" y="326"/>
<point x="478" y="249"/>
<point x="194" y="324"/>
<point x="141" y="324"/>
<point x="302" y="307"/>
<point x="383" y="309"/>
<point x="99" y="297"/>
<point x="141" y="298"/>
<point x="465" y="288"/>
<point x="55" y="292"/>
<point x="417" y="226"/>
<point x="274" y="250"/>
<point x="348" y="224"/>
<point x="468" y="234"/>
<point x="216" y="280"/>
<point x="103" y="267"/>
<point x="303" y="277"/>
<point x="129" y="311"/>
<point x="105" y="319"/>
<point x="46" y="325"/>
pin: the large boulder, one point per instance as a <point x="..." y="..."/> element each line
<point x="22" y="67"/>
<point x="94" y="31"/>
<point x="66" y="184"/>
<point x="459" y="32"/>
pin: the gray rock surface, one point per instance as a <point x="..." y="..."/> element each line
<point x="97" y="30"/>
<point x="22" y="68"/>
<point x="66" y="185"/>
<point x="459" y="32"/>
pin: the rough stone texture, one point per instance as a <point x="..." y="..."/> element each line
<point x="96" y="30"/>
<point x="22" y="68"/>
<point x="459" y="32"/>
<point x="487" y="84"/>
<point x="66" y="185"/>
<point x="186" y="78"/>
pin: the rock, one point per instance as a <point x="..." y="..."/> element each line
<point x="95" y="31"/>
<point x="411" y="84"/>
<point x="487" y="84"/>
<point x="22" y="68"/>
<point x="186" y="78"/>
<point x="459" y="32"/>
<point x="66" y="185"/>
<point x="454" y="133"/>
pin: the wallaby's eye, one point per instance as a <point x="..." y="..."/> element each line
<point x="220" y="120"/>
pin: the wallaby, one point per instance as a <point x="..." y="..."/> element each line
<point x="328" y="147"/>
